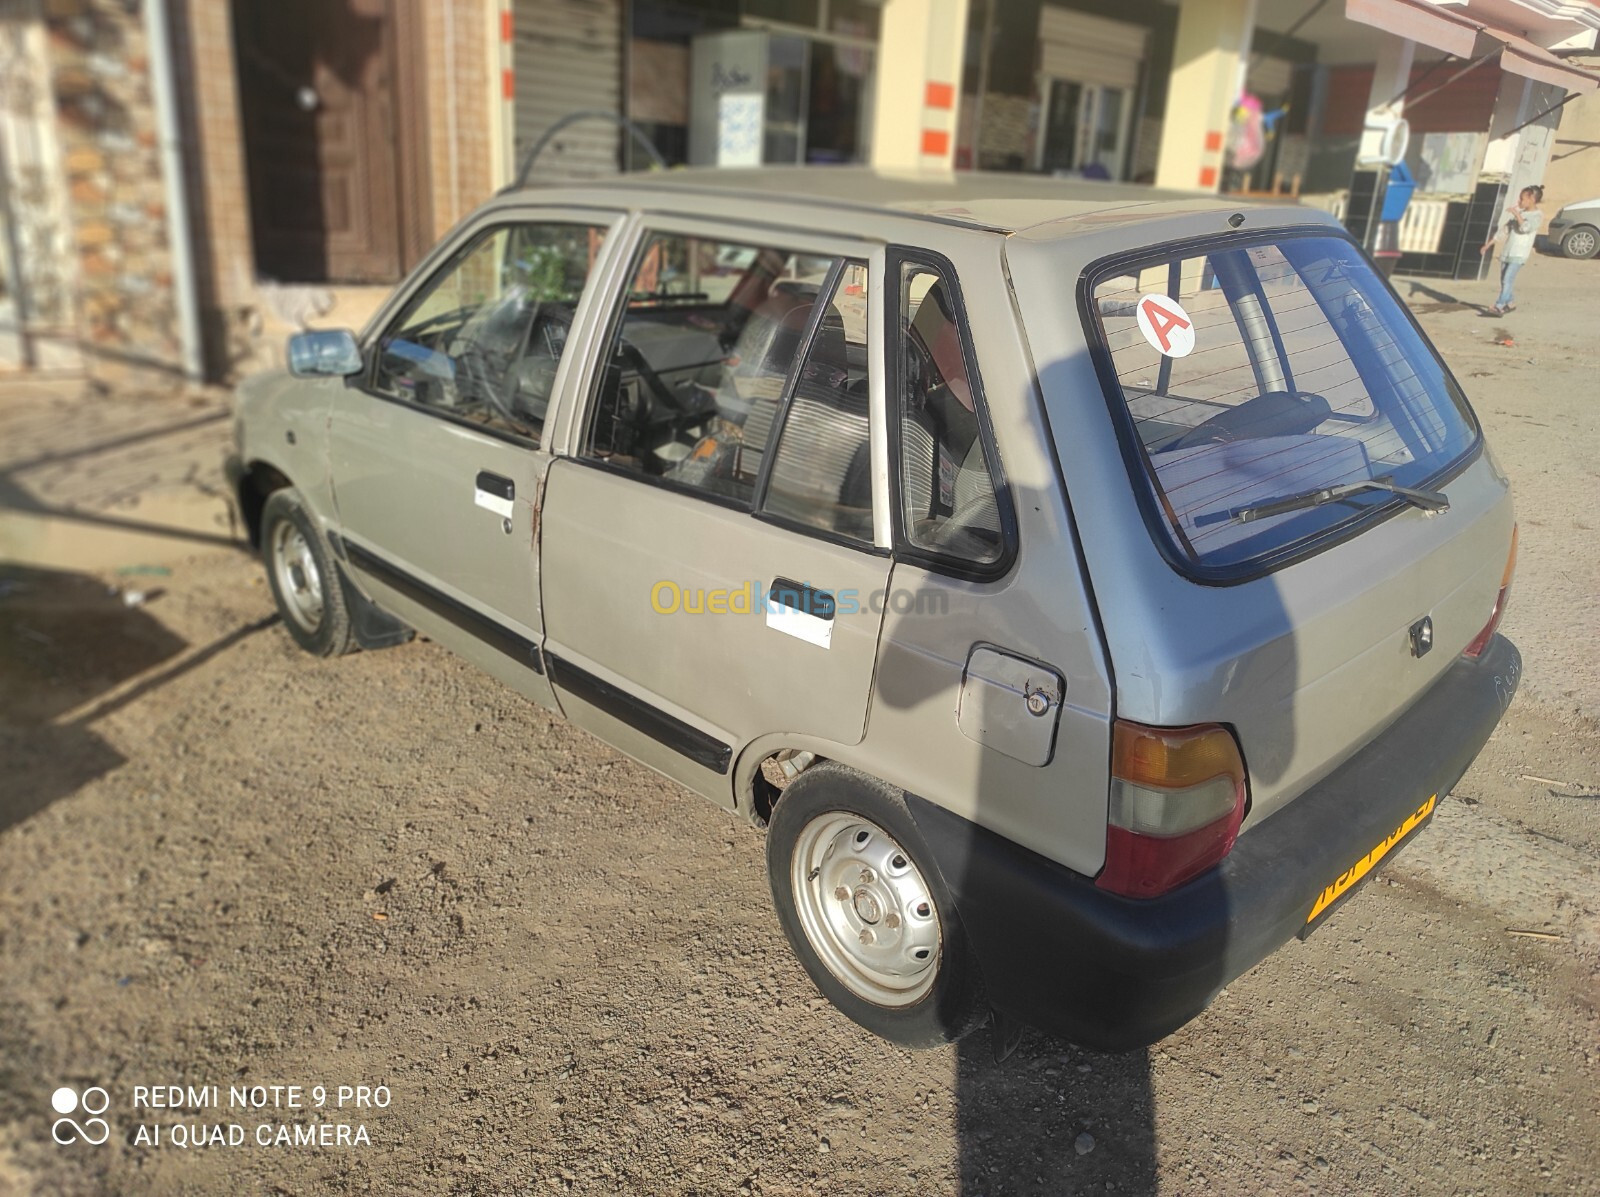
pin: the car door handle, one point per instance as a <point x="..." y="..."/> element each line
<point x="803" y="597"/>
<point x="494" y="484"/>
<point x="800" y="610"/>
<point x="495" y="493"/>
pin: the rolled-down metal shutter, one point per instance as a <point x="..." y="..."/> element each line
<point x="1090" y="49"/>
<point x="568" y="57"/>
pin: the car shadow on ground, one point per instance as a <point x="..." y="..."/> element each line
<point x="1053" y="1117"/>
<point x="72" y="651"/>
<point x="1051" y="1112"/>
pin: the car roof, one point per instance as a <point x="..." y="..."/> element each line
<point x="993" y="201"/>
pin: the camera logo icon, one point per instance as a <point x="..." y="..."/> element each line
<point x="93" y="1102"/>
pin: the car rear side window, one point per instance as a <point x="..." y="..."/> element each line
<point x="949" y="504"/>
<point x="1248" y="375"/>
<point x="821" y="473"/>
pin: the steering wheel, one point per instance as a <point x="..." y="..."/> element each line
<point x="457" y="316"/>
<point x="481" y="373"/>
<point x="546" y="314"/>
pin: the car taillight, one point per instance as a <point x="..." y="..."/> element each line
<point x="1481" y="640"/>
<point x="1177" y="798"/>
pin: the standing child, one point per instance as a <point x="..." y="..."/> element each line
<point x="1521" y="225"/>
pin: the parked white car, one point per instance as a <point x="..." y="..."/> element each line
<point x="1204" y="554"/>
<point x="1576" y="229"/>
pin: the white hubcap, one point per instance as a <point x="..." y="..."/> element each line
<point x="299" y="580"/>
<point x="866" y="909"/>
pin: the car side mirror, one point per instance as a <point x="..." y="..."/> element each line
<point x="324" y="353"/>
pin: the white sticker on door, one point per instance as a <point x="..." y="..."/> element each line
<point x="1166" y="326"/>
<point x="792" y="621"/>
<point x="504" y="508"/>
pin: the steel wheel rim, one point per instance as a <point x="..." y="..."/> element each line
<point x="294" y="567"/>
<point x="866" y="909"/>
<point x="1581" y="243"/>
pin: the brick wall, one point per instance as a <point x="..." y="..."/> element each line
<point x="106" y="124"/>
<point x="219" y="192"/>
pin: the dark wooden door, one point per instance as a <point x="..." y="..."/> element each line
<point x="316" y="91"/>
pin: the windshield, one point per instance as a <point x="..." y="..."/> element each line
<point x="1259" y="372"/>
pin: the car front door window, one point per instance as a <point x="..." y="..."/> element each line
<point x="482" y="340"/>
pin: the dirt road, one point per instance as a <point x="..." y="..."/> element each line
<point x="224" y="863"/>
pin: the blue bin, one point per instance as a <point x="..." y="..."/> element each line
<point x="1401" y="186"/>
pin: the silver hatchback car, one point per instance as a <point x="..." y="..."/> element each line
<point x="1086" y="587"/>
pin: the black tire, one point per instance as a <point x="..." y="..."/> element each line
<point x="1581" y="242"/>
<point x="830" y="794"/>
<point x="322" y="627"/>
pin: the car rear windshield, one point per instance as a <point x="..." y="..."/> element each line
<point x="1254" y="372"/>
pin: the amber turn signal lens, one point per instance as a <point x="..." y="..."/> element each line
<point x="1174" y="758"/>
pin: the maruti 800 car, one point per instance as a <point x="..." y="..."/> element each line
<point x="1086" y="587"/>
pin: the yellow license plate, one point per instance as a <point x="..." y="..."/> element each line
<point x="1345" y="882"/>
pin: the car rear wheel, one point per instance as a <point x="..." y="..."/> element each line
<point x="866" y="910"/>
<point x="1581" y="242"/>
<point x="303" y="577"/>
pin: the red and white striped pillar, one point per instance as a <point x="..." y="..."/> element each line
<point x="921" y="44"/>
<point x="1209" y="62"/>
<point x="505" y="89"/>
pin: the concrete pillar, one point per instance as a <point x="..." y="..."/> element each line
<point x="1209" y="59"/>
<point x="502" y="125"/>
<point x="1513" y="104"/>
<point x="921" y="46"/>
<point x="1523" y="156"/>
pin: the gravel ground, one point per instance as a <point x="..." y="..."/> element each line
<point x="225" y="863"/>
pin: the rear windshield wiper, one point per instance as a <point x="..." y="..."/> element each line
<point x="1428" y="500"/>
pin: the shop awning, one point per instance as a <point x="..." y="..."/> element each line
<point x="1456" y="33"/>
<point x="1418" y="21"/>
<point x="1531" y="61"/>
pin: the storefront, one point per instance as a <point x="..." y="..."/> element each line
<point x="1056" y="88"/>
<point x="753" y="82"/>
<point x="1479" y="97"/>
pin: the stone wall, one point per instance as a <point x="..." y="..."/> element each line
<point x="106" y="126"/>
<point x="1006" y="138"/>
<point x="36" y="322"/>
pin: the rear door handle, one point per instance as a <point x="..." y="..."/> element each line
<point x="800" y="610"/>
<point x="495" y="493"/>
<point x="494" y="484"/>
<point x="802" y="596"/>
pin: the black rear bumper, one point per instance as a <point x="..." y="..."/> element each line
<point x="1118" y="973"/>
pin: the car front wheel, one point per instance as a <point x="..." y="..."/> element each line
<point x="303" y="577"/>
<point x="1581" y="242"/>
<point x="866" y="911"/>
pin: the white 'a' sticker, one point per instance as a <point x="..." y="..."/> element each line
<point x="1166" y="325"/>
